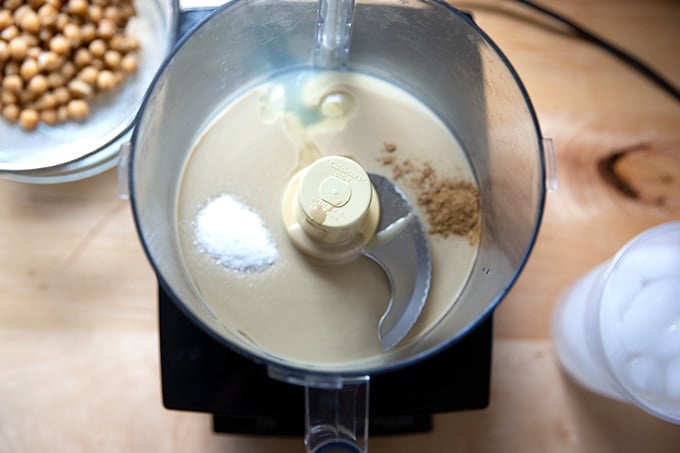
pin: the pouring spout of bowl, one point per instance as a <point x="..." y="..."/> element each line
<point x="333" y="32"/>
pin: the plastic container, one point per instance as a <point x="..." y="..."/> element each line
<point x="616" y="331"/>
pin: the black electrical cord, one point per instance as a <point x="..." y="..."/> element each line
<point x="621" y="54"/>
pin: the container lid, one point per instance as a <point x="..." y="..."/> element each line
<point x="334" y="197"/>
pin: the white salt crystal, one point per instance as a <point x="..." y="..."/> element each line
<point x="235" y="235"/>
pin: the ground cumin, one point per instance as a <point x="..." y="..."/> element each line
<point x="451" y="206"/>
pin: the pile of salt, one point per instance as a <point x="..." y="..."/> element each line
<point x="234" y="235"/>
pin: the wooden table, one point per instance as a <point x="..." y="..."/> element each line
<point x="79" y="362"/>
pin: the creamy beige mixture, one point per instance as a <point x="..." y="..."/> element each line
<point x="297" y="309"/>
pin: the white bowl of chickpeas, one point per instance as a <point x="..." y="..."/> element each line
<point x="73" y="74"/>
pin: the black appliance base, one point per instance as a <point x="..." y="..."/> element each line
<point x="200" y="374"/>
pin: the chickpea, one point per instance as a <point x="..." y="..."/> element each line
<point x="11" y="68"/>
<point x="38" y="85"/>
<point x="29" y="22"/>
<point x="47" y="101"/>
<point x="26" y="97"/>
<point x="33" y="52"/>
<point x="60" y="45"/>
<point x="13" y="83"/>
<point x="48" y="61"/>
<point x="72" y="33"/>
<point x="80" y="90"/>
<point x="127" y="11"/>
<point x="78" y="109"/>
<point x="77" y="7"/>
<point x="23" y="8"/>
<point x="105" y="80"/>
<point x="49" y="117"/>
<point x="89" y="75"/>
<point x="5" y="19"/>
<point x="17" y="48"/>
<point x="88" y="33"/>
<point x="30" y="39"/>
<point x="19" y="12"/>
<point x="68" y="70"/>
<point x="12" y="4"/>
<point x="62" y="114"/>
<point x="116" y="43"/>
<point x="95" y="13"/>
<point x="61" y="95"/>
<point x="9" y="33"/>
<point x="82" y="57"/>
<point x="11" y="113"/>
<point x="35" y="4"/>
<point x="113" y="13"/>
<point x="47" y="14"/>
<point x="61" y="21"/>
<point x="97" y="63"/>
<point x="118" y="77"/>
<point x="97" y="48"/>
<point x="29" y="119"/>
<point x="130" y="43"/>
<point x="4" y="51"/>
<point x="29" y="68"/>
<point x="129" y="63"/>
<point x="55" y="80"/>
<point x="7" y="97"/>
<point x="112" y="59"/>
<point x="45" y="34"/>
<point x="106" y="28"/>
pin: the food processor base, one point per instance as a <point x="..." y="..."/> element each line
<point x="200" y="374"/>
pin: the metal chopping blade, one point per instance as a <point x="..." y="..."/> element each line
<point x="401" y="249"/>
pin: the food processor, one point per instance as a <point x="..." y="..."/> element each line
<point x="428" y="49"/>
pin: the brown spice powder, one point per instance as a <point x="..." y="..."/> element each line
<point x="389" y="147"/>
<point x="452" y="207"/>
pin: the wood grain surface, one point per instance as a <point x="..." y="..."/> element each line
<point x="79" y="362"/>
